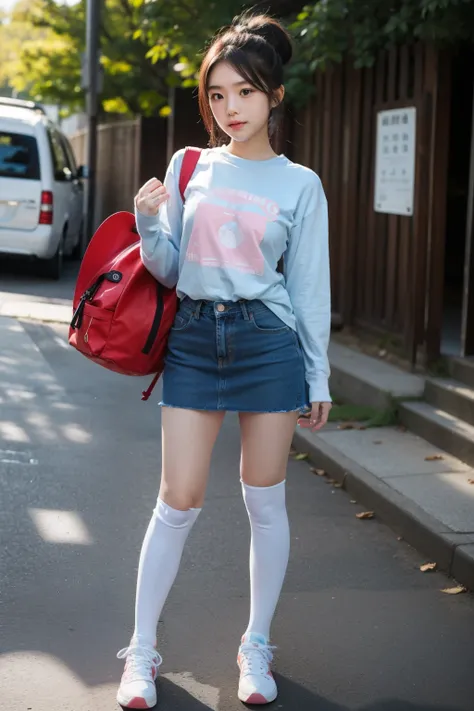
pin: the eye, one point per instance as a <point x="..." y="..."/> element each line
<point x="246" y="92"/>
<point x="215" y="97"/>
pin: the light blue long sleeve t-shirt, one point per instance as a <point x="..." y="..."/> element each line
<point x="239" y="217"/>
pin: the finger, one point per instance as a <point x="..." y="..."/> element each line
<point x="149" y="182"/>
<point x="325" y="408"/>
<point x="158" y="190"/>
<point x="158" y="199"/>
<point x="149" y="187"/>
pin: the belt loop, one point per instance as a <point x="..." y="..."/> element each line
<point x="244" y="309"/>
<point x="198" y="310"/>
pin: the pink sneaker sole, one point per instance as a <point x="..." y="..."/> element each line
<point x="257" y="699"/>
<point x="137" y="703"/>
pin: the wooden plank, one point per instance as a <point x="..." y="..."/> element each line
<point x="334" y="139"/>
<point x="393" y="220"/>
<point x="318" y="127"/>
<point x="307" y="135"/>
<point x="366" y="148"/>
<point x="440" y="79"/>
<point x="326" y="161"/>
<point x="467" y="330"/>
<point x="417" y="277"/>
<point x="419" y="201"/>
<point x="377" y="223"/>
<point x="351" y="163"/>
<point x="405" y="223"/>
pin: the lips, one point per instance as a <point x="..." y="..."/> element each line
<point x="237" y="124"/>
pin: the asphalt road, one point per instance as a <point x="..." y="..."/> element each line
<point x="358" y="625"/>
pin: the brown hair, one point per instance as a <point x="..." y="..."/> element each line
<point x="258" y="47"/>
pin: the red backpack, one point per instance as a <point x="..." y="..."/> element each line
<point x="122" y="314"/>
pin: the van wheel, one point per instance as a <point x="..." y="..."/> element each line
<point x="52" y="268"/>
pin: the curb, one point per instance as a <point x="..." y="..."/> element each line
<point x="410" y="521"/>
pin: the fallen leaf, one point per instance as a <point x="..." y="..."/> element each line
<point x="302" y="455"/>
<point x="345" y="426"/>
<point x="427" y="567"/>
<point x="433" y="457"/>
<point x="319" y="472"/>
<point x="365" y="514"/>
<point x="338" y="486"/>
<point x="353" y="501"/>
<point x="330" y="481"/>
<point x="362" y="427"/>
<point x="454" y="591"/>
<point x="378" y="441"/>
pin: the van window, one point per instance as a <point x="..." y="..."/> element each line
<point x="70" y="154"/>
<point x="18" y="156"/>
<point x="60" y="161"/>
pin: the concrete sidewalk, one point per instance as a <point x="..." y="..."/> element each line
<point x="422" y="492"/>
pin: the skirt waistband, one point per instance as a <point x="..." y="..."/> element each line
<point x="243" y="306"/>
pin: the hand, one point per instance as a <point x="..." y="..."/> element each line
<point x="150" y="197"/>
<point x="318" y="417"/>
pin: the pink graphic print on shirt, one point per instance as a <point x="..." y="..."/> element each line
<point x="228" y="229"/>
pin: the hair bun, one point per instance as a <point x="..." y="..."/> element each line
<point x="271" y="31"/>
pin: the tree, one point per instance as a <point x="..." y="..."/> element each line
<point x="330" y="29"/>
<point x="146" y="47"/>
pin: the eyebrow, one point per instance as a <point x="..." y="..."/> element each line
<point x="237" y="83"/>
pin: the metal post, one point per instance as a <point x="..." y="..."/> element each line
<point x="92" y="78"/>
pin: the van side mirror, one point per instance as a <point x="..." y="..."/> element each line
<point x="82" y="171"/>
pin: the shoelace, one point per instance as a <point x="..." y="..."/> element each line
<point x="140" y="659"/>
<point x="256" y="659"/>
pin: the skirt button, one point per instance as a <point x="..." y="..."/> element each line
<point x="220" y="307"/>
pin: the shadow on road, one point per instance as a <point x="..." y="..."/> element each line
<point x="291" y="697"/>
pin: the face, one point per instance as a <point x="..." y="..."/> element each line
<point x="240" y="110"/>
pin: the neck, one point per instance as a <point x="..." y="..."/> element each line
<point x="258" y="148"/>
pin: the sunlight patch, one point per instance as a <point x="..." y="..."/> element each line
<point x="60" y="526"/>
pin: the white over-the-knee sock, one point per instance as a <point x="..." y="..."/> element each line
<point x="269" y="552"/>
<point x="159" y="562"/>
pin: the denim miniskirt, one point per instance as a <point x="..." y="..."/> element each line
<point x="235" y="356"/>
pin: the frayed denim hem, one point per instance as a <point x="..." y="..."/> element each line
<point x="303" y="408"/>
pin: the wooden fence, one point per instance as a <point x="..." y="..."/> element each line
<point x="117" y="165"/>
<point x="387" y="270"/>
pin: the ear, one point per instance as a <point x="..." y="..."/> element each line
<point x="278" y="96"/>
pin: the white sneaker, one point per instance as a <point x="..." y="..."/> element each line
<point x="256" y="685"/>
<point x="137" y="688"/>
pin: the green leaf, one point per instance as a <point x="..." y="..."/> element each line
<point x="165" y="111"/>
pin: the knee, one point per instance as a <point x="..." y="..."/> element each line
<point x="180" y="500"/>
<point x="175" y="518"/>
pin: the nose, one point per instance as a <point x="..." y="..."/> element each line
<point x="232" y="109"/>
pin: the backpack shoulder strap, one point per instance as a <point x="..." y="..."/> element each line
<point x="190" y="161"/>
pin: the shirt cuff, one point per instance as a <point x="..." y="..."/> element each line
<point x="148" y="221"/>
<point x="319" y="390"/>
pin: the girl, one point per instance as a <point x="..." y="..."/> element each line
<point x="248" y="337"/>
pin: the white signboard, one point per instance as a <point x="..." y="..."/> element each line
<point x="395" y="161"/>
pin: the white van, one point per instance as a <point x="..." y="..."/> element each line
<point x="41" y="191"/>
